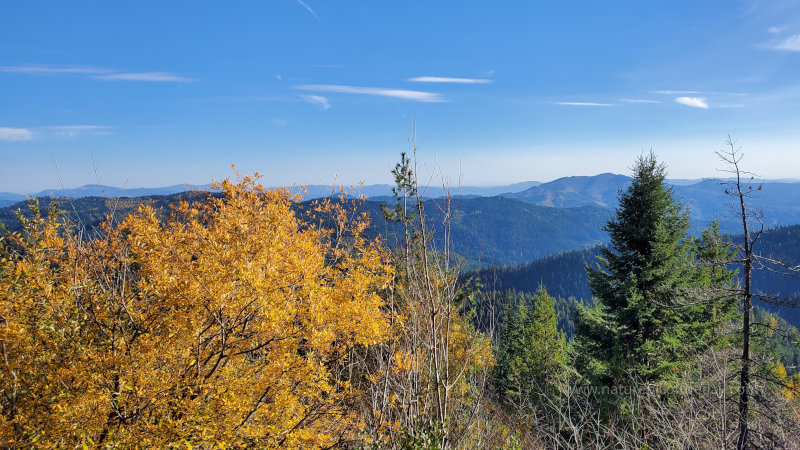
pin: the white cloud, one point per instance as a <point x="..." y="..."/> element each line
<point x="694" y="102"/>
<point x="670" y="92"/>
<point x="313" y="13"/>
<point x="791" y="44"/>
<point x="417" y="96"/>
<point x="636" y="100"/>
<point x="428" y="79"/>
<point x="15" y="134"/>
<point x="45" y="69"/>
<point x="775" y="30"/>
<point x="317" y="100"/>
<point x="582" y="104"/>
<point x="144" y="76"/>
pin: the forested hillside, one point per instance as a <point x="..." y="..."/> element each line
<point x="564" y="274"/>
<point x="496" y="230"/>
<point x="485" y="230"/>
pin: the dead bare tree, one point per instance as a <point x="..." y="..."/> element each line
<point x="741" y="190"/>
<point x="742" y="187"/>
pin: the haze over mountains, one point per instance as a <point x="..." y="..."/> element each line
<point x="309" y="192"/>
<point x="97" y="190"/>
<point x="706" y="198"/>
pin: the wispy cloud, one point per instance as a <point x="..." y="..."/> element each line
<point x="99" y="73"/>
<point x="417" y="96"/>
<point x="582" y="104"/>
<point x="671" y="92"/>
<point x="264" y="98"/>
<point x="429" y="79"/>
<point x="73" y="131"/>
<point x="144" y="76"/>
<point x="280" y="122"/>
<point x="791" y="44"/>
<point x="46" y="69"/>
<point x="15" y="134"/>
<point x="317" y="100"/>
<point x="694" y="102"/>
<point x="53" y="132"/>
<point x="637" y="100"/>
<point x="328" y="66"/>
<point x="305" y="5"/>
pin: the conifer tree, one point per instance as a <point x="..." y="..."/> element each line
<point x="531" y="355"/>
<point x="651" y="312"/>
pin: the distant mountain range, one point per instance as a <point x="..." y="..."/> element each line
<point x="384" y="191"/>
<point x="308" y="191"/>
<point x="705" y="198"/>
<point x="598" y="190"/>
<point x="96" y="190"/>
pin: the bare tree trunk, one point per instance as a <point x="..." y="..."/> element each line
<point x="744" y="375"/>
<point x="741" y="196"/>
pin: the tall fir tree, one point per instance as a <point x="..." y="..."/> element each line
<point x="654" y="288"/>
<point x="531" y="357"/>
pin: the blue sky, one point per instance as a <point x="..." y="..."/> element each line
<point x="161" y="93"/>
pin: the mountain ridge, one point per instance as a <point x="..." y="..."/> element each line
<point x="706" y="198"/>
<point x="309" y="191"/>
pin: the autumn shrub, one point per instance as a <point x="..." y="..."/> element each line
<point x="218" y="326"/>
<point x="425" y="386"/>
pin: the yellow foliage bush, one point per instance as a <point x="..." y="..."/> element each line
<point x="226" y="324"/>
